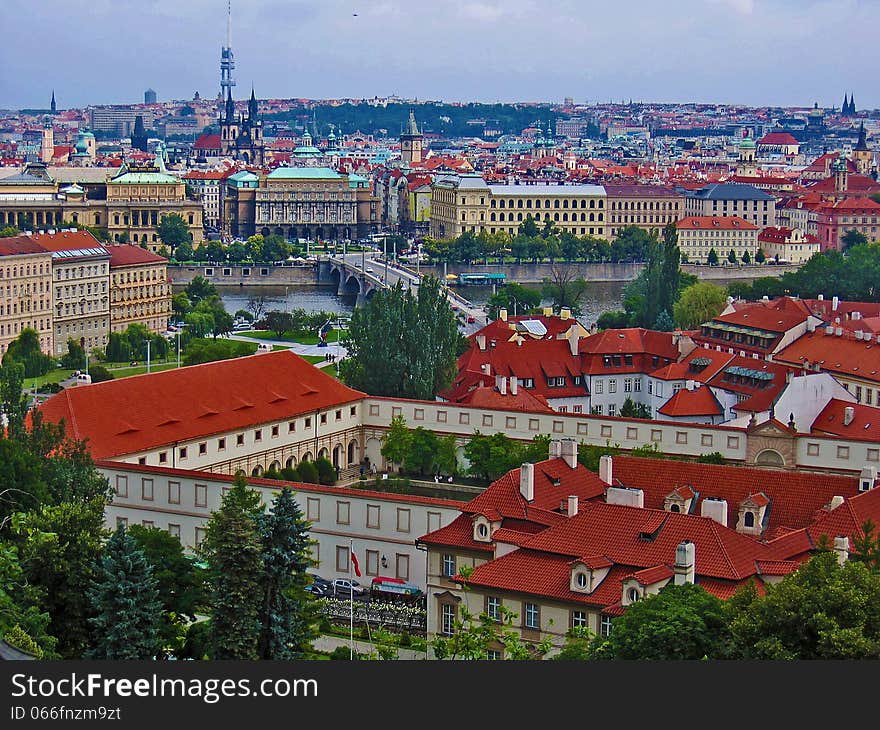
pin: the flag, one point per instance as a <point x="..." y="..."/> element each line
<point x="354" y="562"/>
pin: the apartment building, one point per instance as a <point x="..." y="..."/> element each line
<point x="732" y="199"/>
<point x="25" y="291"/>
<point x="140" y="291"/>
<point x="649" y="207"/>
<point x="699" y="235"/>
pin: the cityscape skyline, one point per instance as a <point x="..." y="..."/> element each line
<point x="525" y="55"/>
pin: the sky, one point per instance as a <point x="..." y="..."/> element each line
<point x="751" y="52"/>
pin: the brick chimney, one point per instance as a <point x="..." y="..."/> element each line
<point x="527" y="482"/>
<point x="570" y="452"/>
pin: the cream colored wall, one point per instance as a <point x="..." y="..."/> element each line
<point x="17" y="288"/>
<point x="152" y="295"/>
<point x="72" y="281"/>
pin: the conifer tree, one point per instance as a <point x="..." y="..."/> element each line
<point x="287" y="614"/>
<point x="125" y="601"/>
<point x="232" y="551"/>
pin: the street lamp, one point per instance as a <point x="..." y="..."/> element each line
<point x="178" y="347"/>
<point x="385" y="256"/>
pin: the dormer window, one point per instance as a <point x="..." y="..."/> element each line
<point x="483" y="530"/>
<point x="581" y="580"/>
<point x="749" y="519"/>
<point x="633" y="595"/>
<point x="674" y="508"/>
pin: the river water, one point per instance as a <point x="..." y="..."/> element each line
<point x="600" y="297"/>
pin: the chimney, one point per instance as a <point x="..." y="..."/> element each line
<point x="555" y="449"/>
<point x="856" y="315"/>
<point x="572" y="505"/>
<point x="835" y="502"/>
<point x="502" y="315"/>
<point x="821" y="297"/>
<point x="829" y="330"/>
<point x="626" y="496"/>
<point x="838" y="331"/>
<point x="565" y="313"/>
<point x="548" y="311"/>
<point x="570" y="452"/>
<point x="481" y="342"/>
<point x="527" y="482"/>
<point x="841" y="547"/>
<point x="501" y="384"/>
<point x="605" y="469"/>
<point x="690" y="384"/>
<point x="513" y="384"/>
<point x="849" y="413"/>
<point x="834" y="302"/>
<point x="715" y="509"/>
<point x="573" y="343"/>
<point x="858" y="334"/>
<point x="685" y="560"/>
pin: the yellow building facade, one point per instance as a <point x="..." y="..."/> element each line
<point x="25" y="292"/>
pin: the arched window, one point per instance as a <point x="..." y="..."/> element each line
<point x="674" y="508"/>
<point x="749" y="519"/>
<point x="581" y="580"/>
<point x="634" y="595"/>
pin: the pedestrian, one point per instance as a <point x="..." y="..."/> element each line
<point x="449" y="479"/>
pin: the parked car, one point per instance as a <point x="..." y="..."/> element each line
<point x="318" y="590"/>
<point x="471" y="319"/>
<point x="346" y="586"/>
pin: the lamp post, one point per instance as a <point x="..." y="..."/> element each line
<point x="385" y="256"/>
<point x="178" y="347"/>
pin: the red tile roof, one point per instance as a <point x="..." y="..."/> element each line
<point x="764" y="318"/>
<point x="865" y="425"/>
<point x="839" y="355"/>
<point x="697" y="402"/>
<point x="715" y="223"/>
<point x="66" y="240"/>
<point x="685" y="371"/>
<point x="778" y="138"/>
<point x="20" y="245"/>
<point x="147" y="411"/>
<point x="797" y="497"/>
<point x="490" y="397"/>
<point x="208" y="141"/>
<point x="122" y="254"/>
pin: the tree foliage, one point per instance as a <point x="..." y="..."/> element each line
<point x="491" y="456"/>
<point x="402" y="344"/>
<point x="699" y="303"/>
<point x="173" y="231"/>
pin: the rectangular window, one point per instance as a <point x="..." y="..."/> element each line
<point x="239" y="439"/>
<point x="510" y="422"/>
<point x="274" y="431"/>
<point x="637" y="385"/>
<point x="338" y="415"/>
<point x="121" y="486"/>
<point x="612" y="385"/>
<point x="372" y="562"/>
<point x="632" y="433"/>
<point x="627" y="385"/>
<point x="441" y="416"/>
<point x="201" y="499"/>
<point x="309" y="422"/>
<point x="493" y="655"/>
<point x="733" y="442"/>
<point x="599" y="386"/>
<point x="448" y="566"/>
<point x="464" y="418"/>
<point x="396" y="411"/>
<point x="873" y="455"/>
<point x="401" y="566"/>
<point x="605" y="626"/>
<point x="342" y="556"/>
<point x="313" y="509"/>
<point x="579" y="618"/>
<point x="291" y="426"/>
<point x="843" y="452"/>
<point x="373" y="516"/>
<point x="258" y="434"/>
<point x="419" y="414"/>
<point x="121" y="522"/>
<point x="374" y="409"/>
<point x="200" y="536"/>
<point x="531" y="616"/>
<point x="174" y="530"/>
<point x="706" y="439"/>
<point x="403" y="519"/>
<point x="182" y="452"/>
<point x="203" y="448"/>
<point x="812" y="449"/>
<point x="173" y="492"/>
<point x="343" y="512"/>
<point x="147" y="523"/>
<point x="447" y="619"/>
<point x="221" y="444"/>
<point x="352" y="411"/>
<point x="612" y="409"/>
<point x="487" y="420"/>
<point x="681" y="437"/>
<point x="433" y="521"/>
<point x="163" y="457"/>
<point x="493" y="607"/>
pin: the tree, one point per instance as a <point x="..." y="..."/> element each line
<point x="446" y="454"/>
<point x="59" y="546"/>
<point x="183" y="252"/>
<point x="173" y="231"/>
<point x="181" y="584"/>
<point x="25" y="349"/>
<point x="421" y="456"/>
<point x="492" y="456"/>
<point x="326" y="471"/>
<point x="577" y="646"/>
<point x="712" y="258"/>
<point x="396" y="441"/>
<point x="278" y="322"/>
<point x="232" y="549"/>
<point x="256" y="307"/>
<point x="731" y="256"/>
<point x="308" y="472"/>
<point x="631" y="409"/>
<point x="125" y="601"/>
<point x="564" y="290"/>
<point x="866" y="546"/>
<point x="9" y="232"/>
<point x="821" y="611"/>
<point x="201" y="351"/>
<point x="699" y="303"/>
<point x="99" y="374"/>
<point x="198" y="289"/>
<point x="13" y="401"/>
<point x="528" y="228"/>
<point x="181" y="305"/>
<point x="402" y="345"/>
<point x="851" y="238"/>
<point x="746" y="257"/>
<point x="199" y="324"/>
<point x="515" y="298"/>
<point x="664" y="322"/>
<point x="760" y="256"/>
<point x="20" y="607"/>
<point x="679" y="622"/>
<point x="287" y="613"/>
<point x="220" y="320"/>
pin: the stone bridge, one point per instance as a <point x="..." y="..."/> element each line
<point x="352" y="280"/>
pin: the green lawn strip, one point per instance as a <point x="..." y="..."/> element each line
<point x="302" y="338"/>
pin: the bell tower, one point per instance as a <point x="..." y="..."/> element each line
<point x="229" y="128"/>
<point x="411" y="142"/>
<point x="861" y="154"/>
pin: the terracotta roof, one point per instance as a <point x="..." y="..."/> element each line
<point x="490" y="397"/>
<point x="715" y="223"/>
<point x="122" y="254"/>
<point x="865" y="424"/>
<point x="839" y="355"/>
<point x="649" y="576"/>
<point x="66" y="240"/>
<point x="147" y="411"/>
<point x="762" y="317"/>
<point x="697" y="402"/>
<point x="20" y="245"/>
<point x="207" y="141"/>
<point x="796" y="497"/>
<point x="778" y="138"/>
<point x="684" y="370"/>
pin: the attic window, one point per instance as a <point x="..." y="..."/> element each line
<point x="581" y="579"/>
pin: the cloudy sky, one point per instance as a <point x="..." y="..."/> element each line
<point x="787" y="52"/>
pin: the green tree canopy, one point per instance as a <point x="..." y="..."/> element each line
<point x="515" y="298"/>
<point x="402" y="344"/>
<point x="173" y="231"/>
<point x="699" y="303"/>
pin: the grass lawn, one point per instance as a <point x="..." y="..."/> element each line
<point x="124" y="372"/>
<point x="314" y="359"/>
<point x="302" y="339"/>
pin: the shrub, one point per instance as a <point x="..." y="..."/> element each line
<point x="343" y="653"/>
<point x="99" y="373"/>
<point x="308" y="472"/>
<point x="20" y="639"/>
<point x="404" y="640"/>
<point x="326" y="472"/>
<point x="325" y="626"/>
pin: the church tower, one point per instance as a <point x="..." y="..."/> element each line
<point x="841" y="174"/>
<point x="861" y="154"/>
<point x="52" y="107"/>
<point x="411" y="142"/>
<point x="255" y="132"/>
<point x="47" y="143"/>
<point x="229" y="128"/>
<point x="746" y="167"/>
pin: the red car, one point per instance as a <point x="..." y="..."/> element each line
<point x="471" y="319"/>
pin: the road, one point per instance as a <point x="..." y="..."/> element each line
<point x="375" y="267"/>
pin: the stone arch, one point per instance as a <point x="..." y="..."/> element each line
<point x="275" y="466"/>
<point x="373" y="450"/>
<point x="308" y="456"/>
<point x="323" y="453"/>
<point x="257" y="471"/>
<point x="770" y="457"/>
<point x="352" y="452"/>
<point x="337" y="455"/>
<point x="290" y="463"/>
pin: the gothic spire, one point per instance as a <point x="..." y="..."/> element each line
<point x="52" y="104"/>
<point x="230" y="107"/>
<point x="252" y="106"/>
<point x="862" y="144"/>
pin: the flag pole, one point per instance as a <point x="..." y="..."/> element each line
<point x="351" y="607"/>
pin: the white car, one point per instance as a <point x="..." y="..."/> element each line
<point x="346" y="586"/>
